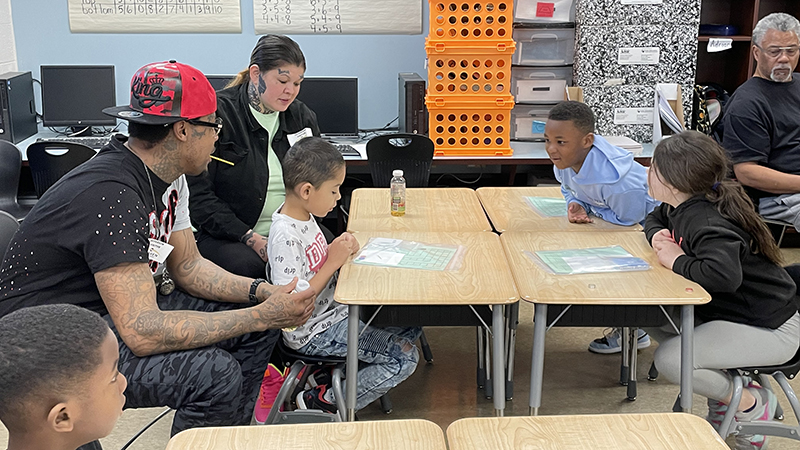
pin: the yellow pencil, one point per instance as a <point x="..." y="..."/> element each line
<point x="221" y="160"/>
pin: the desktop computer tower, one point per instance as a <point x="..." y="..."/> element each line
<point x="17" y="110"/>
<point x="413" y="115"/>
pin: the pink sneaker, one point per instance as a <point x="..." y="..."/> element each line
<point x="764" y="411"/>
<point x="270" y="385"/>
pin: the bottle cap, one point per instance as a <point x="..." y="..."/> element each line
<point x="397" y="173"/>
<point x="301" y="286"/>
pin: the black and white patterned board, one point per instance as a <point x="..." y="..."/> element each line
<point x="597" y="50"/>
<point x="605" y="99"/>
<point x="613" y="12"/>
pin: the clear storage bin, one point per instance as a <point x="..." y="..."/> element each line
<point x="540" y="85"/>
<point x="545" y="11"/>
<point x="527" y="122"/>
<point x="544" y="47"/>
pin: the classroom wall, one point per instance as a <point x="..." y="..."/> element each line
<point x="41" y="29"/>
<point x="8" y="52"/>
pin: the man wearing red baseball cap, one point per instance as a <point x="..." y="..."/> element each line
<point x="99" y="235"/>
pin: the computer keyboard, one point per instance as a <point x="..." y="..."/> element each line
<point x="94" y="142"/>
<point x="346" y="150"/>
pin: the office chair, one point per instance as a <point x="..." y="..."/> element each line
<point x="10" y="166"/>
<point x="411" y="153"/>
<point x="49" y="162"/>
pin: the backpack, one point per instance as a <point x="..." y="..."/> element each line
<point x="709" y="101"/>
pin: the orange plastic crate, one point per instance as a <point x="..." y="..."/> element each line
<point x="486" y="75"/>
<point x="471" y="20"/>
<point x="470" y="125"/>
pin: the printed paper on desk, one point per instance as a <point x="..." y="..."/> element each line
<point x="304" y="133"/>
<point x="719" y="45"/>
<point x="639" y="55"/>
<point x="633" y="116"/>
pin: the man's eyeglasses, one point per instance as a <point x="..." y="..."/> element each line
<point x="774" y="52"/>
<point x="216" y="125"/>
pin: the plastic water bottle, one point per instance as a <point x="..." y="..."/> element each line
<point x="398" y="186"/>
<point x="302" y="285"/>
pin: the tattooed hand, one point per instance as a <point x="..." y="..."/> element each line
<point x="286" y="308"/>
<point x="258" y="243"/>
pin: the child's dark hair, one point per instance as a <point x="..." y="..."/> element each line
<point x="310" y="160"/>
<point x="46" y="352"/>
<point x="695" y="164"/>
<point x="578" y="113"/>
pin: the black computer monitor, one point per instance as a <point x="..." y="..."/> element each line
<point x="335" y="101"/>
<point x="219" y="82"/>
<point x="74" y="96"/>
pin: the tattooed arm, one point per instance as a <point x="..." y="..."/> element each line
<point x="256" y="242"/>
<point x="129" y="294"/>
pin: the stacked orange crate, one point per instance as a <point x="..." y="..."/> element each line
<point x="469" y="99"/>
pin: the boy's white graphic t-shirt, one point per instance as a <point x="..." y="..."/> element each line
<point x="297" y="248"/>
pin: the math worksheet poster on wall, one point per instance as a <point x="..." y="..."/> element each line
<point x="338" y="16"/>
<point x="155" y="16"/>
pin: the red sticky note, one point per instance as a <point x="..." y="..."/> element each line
<point x="545" y="9"/>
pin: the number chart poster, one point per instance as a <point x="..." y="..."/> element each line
<point x="155" y="16"/>
<point x="338" y="16"/>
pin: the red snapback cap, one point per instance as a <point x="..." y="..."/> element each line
<point x="167" y="92"/>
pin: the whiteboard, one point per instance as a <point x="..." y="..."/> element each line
<point x="155" y="16"/>
<point x="338" y="16"/>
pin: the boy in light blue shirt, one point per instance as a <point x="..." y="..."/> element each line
<point x="598" y="180"/>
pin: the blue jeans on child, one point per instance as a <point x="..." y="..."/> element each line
<point x="389" y="354"/>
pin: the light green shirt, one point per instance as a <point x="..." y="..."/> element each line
<point x="275" y="190"/>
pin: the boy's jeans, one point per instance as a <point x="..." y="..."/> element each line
<point x="389" y="353"/>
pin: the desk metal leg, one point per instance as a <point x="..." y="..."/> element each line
<point x="687" y="356"/>
<point x="537" y="357"/>
<point x="351" y="386"/>
<point x="498" y="360"/>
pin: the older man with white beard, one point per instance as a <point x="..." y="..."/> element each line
<point x="762" y="121"/>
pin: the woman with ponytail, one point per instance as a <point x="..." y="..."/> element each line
<point x="231" y="206"/>
<point x="707" y="230"/>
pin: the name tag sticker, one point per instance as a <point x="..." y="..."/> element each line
<point x="719" y="44"/>
<point x="639" y="55"/>
<point x="158" y="251"/>
<point x="304" y="133"/>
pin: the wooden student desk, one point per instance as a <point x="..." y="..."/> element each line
<point x="427" y="209"/>
<point x="656" y="286"/>
<point x="509" y="211"/>
<point x="386" y="434"/>
<point x="666" y="431"/>
<point x="483" y="278"/>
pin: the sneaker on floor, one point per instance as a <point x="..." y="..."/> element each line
<point x="319" y="376"/>
<point x="764" y="410"/>
<point x="716" y="413"/>
<point x="612" y="342"/>
<point x="320" y="397"/>
<point x="270" y="385"/>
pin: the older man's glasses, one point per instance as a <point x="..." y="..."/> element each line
<point x="774" y="52"/>
<point x="216" y="125"/>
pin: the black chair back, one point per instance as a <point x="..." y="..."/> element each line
<point x="49" y="162"/>
<point x="411" y="153"/>
<point x="10" y="166"/>
<point x="8" y="226"/>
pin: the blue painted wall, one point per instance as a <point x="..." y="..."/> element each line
<point x="41" y="30"/>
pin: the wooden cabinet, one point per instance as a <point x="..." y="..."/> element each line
<point x="731" y="68"/>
